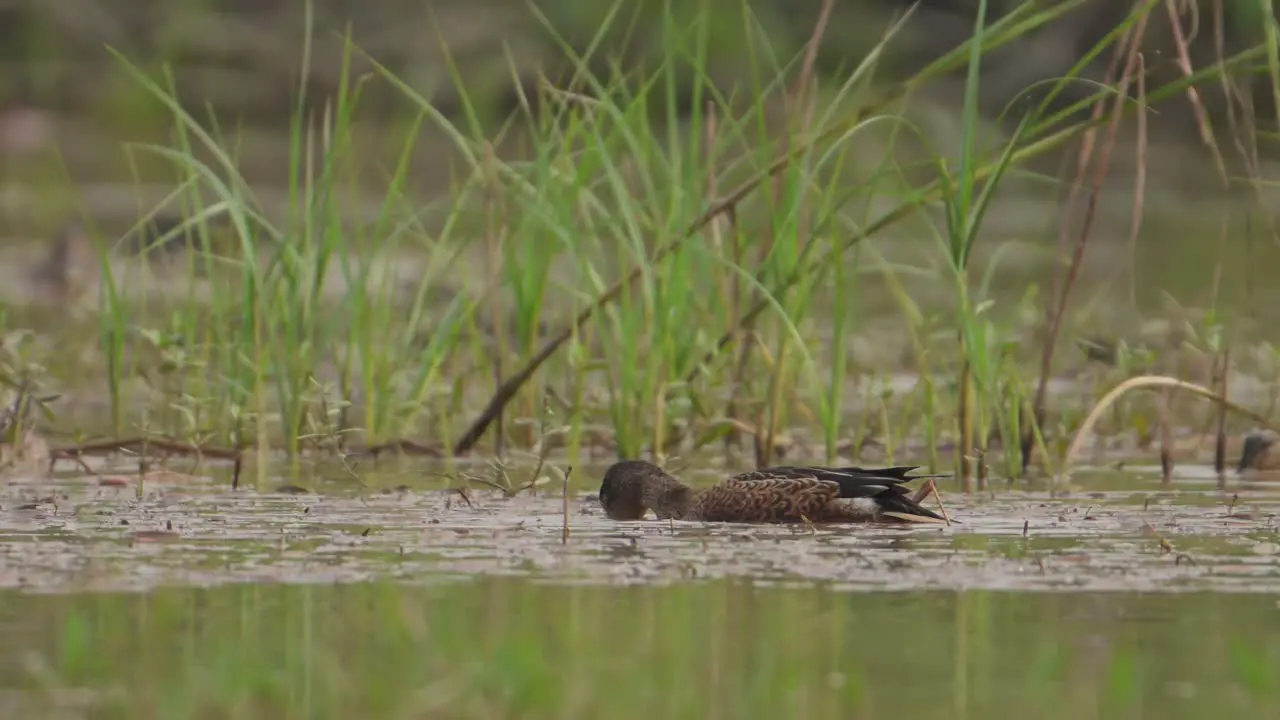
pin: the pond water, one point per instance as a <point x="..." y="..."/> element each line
<point x="1112" y="596"/>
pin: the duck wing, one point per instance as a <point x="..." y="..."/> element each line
<point x="884" y="486"/>
<point x="765" y="499"/>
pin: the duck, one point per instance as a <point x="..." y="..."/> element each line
<point x="1259" y="452"/>
<point x="781" y="494"/>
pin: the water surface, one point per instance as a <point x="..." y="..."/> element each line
<point x="1111" y="596"/>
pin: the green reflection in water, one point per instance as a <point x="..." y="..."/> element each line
<point x="515" y="648"/>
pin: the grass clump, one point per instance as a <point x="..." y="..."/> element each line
<point x="590" y="259"/>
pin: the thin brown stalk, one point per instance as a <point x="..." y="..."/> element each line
<point x="1166" y="436"/>
<point x="1057" y="288"/>
<point x="1140" y="172"/>
<point x="1202" y="117"/>
<point x="811" y="57"/>
<point x="802" y="96"/>
<point x="761" y="439"/>
<point x="1129" y="51"/>
<point x="965" y="422"/>
<point x="1165" y="402"/>
<point x="564" y="487"/>
<point x="710" y="130"/>
<point x="1183" y="61"/>
<point x="776" y="405"/>
<point x="494" y="256"/>
<point x="1221" y="370"/>
<point x="942" y="509"/>
<point x="1182" y="42"/>
<point x="734" y="438"/>
<point x="924" y="491"/>
<point x="759" y="442"/>
<point x="980" y="457"/>
<point x="731" y="283"/>
<point x="659" y="419"/>
<point x="543" y="448"/>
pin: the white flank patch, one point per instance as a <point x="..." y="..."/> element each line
<point x="865" y="505"/>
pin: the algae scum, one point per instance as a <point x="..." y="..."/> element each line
<point x="180" y="597"/>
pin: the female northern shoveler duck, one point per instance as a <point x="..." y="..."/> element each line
<point x="777" y="494"/>
<point x="1259" y="452"/>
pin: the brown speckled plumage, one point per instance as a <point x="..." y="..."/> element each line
<point x="775" y="495"/>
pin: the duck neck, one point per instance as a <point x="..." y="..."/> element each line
<point x="667" y="497"/>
